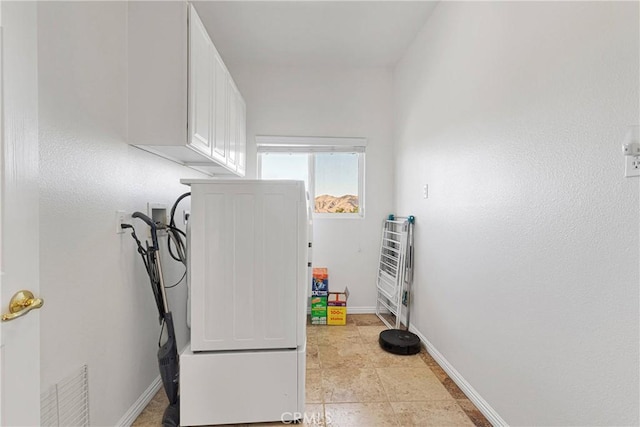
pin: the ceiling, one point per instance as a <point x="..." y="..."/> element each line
<point x="313" y="33"/>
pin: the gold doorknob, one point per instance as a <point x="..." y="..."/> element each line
<point x="22" y="303"/>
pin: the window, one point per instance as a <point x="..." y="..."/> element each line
<point x="336" y="182"/>
<point x="332" y="169"/>
<point x="285" y="166"/>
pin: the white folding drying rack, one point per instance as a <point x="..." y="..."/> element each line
<point x="395" y="270"/>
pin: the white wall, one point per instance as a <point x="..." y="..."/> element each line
<point x="331" y="102"/>
<point x="527" y="248"/>
<point x="99" y="305"/>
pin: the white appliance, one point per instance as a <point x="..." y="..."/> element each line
<point x="249" y="270"/>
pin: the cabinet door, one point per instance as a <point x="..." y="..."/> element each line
<point x="220" y="111"/>
<point x="232" y="125"/>
<point x="242" y="135"/>
<point x="200" y="85"/>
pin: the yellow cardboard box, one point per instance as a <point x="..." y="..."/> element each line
<point x="337" y="307"/>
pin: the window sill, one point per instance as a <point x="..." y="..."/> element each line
<point x="324" y="216"/>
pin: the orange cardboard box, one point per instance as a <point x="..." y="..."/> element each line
<point x="320" y="281"/>
<point x="321" y="273"/>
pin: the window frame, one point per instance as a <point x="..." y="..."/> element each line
<point x="318" y="145"/>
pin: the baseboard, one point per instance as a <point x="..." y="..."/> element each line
<point x="361" y="310"/>
<point x="136" y="409"/>
<point x="494" y="418"/>
<point x="355" y="310"/>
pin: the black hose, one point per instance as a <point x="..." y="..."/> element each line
<point x="176" y="235"/>
<point x="148" y="256"/>
<point x="150" y="223"/>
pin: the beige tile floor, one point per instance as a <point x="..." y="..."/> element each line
<point x="352" y="382"/>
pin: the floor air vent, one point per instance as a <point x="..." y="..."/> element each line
<point x="67" y="402"/>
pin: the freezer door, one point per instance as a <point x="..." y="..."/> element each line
<point x="246" y="255"/>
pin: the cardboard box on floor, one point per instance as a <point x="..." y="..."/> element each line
<point x="337" y="307"/>
<point x="320" y="281"/>
<point x="318" y="310"/>
<point x="319" y="292"/>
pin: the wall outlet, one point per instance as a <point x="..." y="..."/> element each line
<point x="121" y="218"/>
<point x="425" y="191"/>
<point x="158" y="214"/>
<point x="632" y="166"/>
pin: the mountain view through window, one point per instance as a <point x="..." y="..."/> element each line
<point x="334" y="177"/>
<point x="336" y="183"/>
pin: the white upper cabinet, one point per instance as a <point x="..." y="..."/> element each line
<point x="221" y="110"/>
<point x="180" y="91"/>
<point x="241" y="143"/>
<point x="232" y="125"/>
<point x="201" y="79"/>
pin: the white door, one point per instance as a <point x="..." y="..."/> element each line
<point x="220" y="110"/>
<point x="200" y="85"/>
<point x="232" y="124"/>
<point x="242" y="135"/>
<point x="19" y="260"/>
